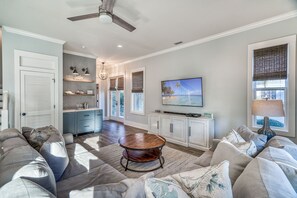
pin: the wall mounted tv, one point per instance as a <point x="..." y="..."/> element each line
<point x="182" y="92"/>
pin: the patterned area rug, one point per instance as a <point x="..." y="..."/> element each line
<point x="175" y="161"/>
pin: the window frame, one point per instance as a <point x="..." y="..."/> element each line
<point x="290" y="83"/>
<point x="132" y="111"/>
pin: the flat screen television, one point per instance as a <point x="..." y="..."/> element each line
<point x="182" y="92"/>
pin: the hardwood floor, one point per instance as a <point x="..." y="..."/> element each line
<point x="111" y="133"/>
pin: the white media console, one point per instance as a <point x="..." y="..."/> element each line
<point x="186" y="131"/>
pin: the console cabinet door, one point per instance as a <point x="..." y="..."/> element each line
<point x="197" y="132"/>
<point x="179" y="127"/>
<point x="69" y="123"/>
<point x="165" y="129"/>
<point x="154" y="123"/>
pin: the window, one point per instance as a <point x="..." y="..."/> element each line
<point x="269" y="78"/>
<point x="137" y="92"/>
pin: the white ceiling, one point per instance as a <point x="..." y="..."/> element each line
<point x="159" y="23"/>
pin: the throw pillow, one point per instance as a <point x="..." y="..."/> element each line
<point x="24" y="188"/>
<point x="248" y="135"/>
<point x="284" y="160"/>
<point x="238" y="160"/>
<point x="212" y="181"/>
<point x="234" y="137"/>
<point x="10" y="133"/>
<point x="248" y="148"/>
<point x="262" y="178"/>
<point x="166" y="188"/>
<point x="284" y="143"/>
<point x="36" y="137"/>
<point x="55" y="153"/>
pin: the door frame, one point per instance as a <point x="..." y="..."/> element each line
<point x="109" y="97"/>
<point x="51" y="67"/>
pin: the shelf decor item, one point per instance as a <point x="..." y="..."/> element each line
<point x="102" y="74"/>
<point x="90" y="92"/>
<point x="268" y="108"/>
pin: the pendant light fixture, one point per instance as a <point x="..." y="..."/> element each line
<point x="102" y="74"/>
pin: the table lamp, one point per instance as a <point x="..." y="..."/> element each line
<point x="268" y="108"/>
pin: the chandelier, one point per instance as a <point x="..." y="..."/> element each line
<point x="102" y="74"/>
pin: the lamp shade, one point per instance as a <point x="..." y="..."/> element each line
<point x="270" y="108"/>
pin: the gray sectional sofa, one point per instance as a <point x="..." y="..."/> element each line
<point x="22" y="166"/>
<point x="24" y="172"/>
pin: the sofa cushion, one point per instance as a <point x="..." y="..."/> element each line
<point x="36" y="137"/>
<point x="284" y="143"/>
<point x="55" y="153"/>
<point x="113" y="190"/>
<point x="215" y="143"/>
<point x="24" y="188"/>
<point x="204" y="159"/>
<point x="103" y="174"/>
<point x="80" y="163"/>
<point x="10" y="133"/>
<point x="248" y="148"/>
<point x="13" y="142"/>
<point x="284" y="160"/>
<point x="263" y="178"/>
<point x="212" y="181"/>
<point x="248" y="135"/>
<point x="238" y="160"/>
<point x="165" y="187"/>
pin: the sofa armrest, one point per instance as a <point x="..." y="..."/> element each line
<point x="68" y="137"/>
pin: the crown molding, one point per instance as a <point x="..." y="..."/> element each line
<point x="245" y="28"/>
<point x="32" y="35"/>
<point x="79" y="54"/>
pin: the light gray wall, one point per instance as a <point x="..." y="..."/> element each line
<point x="80" y="62"/>
<point x="223" y="65"/>
<point x="11" y="42"/>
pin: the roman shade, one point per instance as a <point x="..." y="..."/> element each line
<point x="120" y="83"/>
<point x="271" y="63"/>
<point x="112" y="85"/>
<point x="137" y="82"/>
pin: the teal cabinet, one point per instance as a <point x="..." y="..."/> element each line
<point x="98" y="121"/>
<point x="77" y="122"/>
<point x="69" y="124"/>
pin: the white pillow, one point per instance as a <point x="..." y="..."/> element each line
<point x="165" y="187"/>
<point x="248" y="148"/>
<point x="211" y="181"/>
<point x="234" y="137"/>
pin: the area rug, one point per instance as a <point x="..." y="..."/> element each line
<point x="175" y="161"/>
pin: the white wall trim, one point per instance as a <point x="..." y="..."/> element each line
<point x="136" y="125"/>
<point x="33" y="35"/>
<point x="290" y="106"/>
<point x="79" y="54"/>
<point x="245" y="28"/>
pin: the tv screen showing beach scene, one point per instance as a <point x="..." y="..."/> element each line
<point x="183" y="92"/>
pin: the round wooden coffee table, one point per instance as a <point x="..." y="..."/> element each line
<point x="142" y="148"/>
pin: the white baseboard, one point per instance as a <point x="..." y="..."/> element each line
<point x="136" y="125"/>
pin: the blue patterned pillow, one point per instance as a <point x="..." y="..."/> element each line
<point x="163" y="188"/>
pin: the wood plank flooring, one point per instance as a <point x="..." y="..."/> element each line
<point x="112" y="131"/>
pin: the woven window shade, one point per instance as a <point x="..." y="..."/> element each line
<point x="270" y="63"/>
<point x="137" y="82"/>
<point x="112" y="84"/>
<point x="121" y="83"/>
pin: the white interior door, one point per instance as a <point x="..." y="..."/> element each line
<point x="37" y="99"/>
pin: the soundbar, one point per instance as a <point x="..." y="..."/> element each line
<point x="194" y="115"/>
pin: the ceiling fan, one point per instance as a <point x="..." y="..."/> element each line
<point x="105" y="15"/>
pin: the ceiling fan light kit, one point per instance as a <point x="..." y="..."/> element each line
<point x="105" y="18"/>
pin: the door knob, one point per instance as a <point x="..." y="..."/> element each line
<point x="23" y="114"/>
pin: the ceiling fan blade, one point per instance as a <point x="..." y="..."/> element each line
<point x="117" y="20"/>
<point x="108" y="5"/>
<point x="82" y="17"/>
